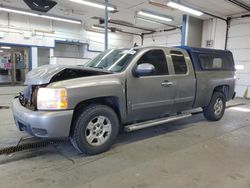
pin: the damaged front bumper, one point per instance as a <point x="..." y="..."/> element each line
<point x="47" y="124"/>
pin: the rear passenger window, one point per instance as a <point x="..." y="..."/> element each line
<point x="211" y="62"/>
<point x="180" y="66"/>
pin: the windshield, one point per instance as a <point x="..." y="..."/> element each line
<point x="113" y="60"/>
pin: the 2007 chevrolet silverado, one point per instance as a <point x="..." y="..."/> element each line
<point x="129" y="88"/>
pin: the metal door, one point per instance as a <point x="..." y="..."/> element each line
<point x="150" y="96"/>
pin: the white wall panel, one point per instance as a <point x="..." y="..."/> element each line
<point x="240" y="90"/>
<point x="170" y="38"/>
<point x="243" y="67"/>
<point x="243" y="79"/>
<point x="69" y="61"/>
<point x="214" y="30"/>
<point x="239" y="29"/>
<point x="96" y="40"/>
<point x="44" y="33"/>
<point x="239" y="44"/>
<point x="240" y="54"/>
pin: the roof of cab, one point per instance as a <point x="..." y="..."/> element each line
<point x="204" y="50"/>
<point x="187" y="48"/>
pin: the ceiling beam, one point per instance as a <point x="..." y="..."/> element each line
<point x="117" y="22"/>
<point x="240" y="4"/>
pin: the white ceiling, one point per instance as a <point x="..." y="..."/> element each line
<point x="127" y="10"/>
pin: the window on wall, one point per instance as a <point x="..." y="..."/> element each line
<point x="213" y="62"/>
<point x="156" y="58"/>
<point x="180" y="66"/>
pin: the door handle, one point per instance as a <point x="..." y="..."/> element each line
<point x="166" y="84"/>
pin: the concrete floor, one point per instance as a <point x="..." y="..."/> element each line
<point x="188" y="153"/>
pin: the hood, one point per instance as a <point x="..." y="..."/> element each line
<point x="51" y="73"/>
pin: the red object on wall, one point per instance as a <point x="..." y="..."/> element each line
<point x="7" y="65"/>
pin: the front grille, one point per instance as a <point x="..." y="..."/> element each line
<point x="28" y="97"/>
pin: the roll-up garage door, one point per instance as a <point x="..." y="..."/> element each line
<point x="239" y="44"/>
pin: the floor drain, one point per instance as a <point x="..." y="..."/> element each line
<point x="4" y="107"/>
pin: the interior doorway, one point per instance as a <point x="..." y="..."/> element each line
<point x="14" y="64"/>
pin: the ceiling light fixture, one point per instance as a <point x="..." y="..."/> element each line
<point x="184" y="8"/>
<point x="5" y="47"/>
<point x="1" y="51"/>
<point x="151" y="21"/>
<point x="40" y="15"/>
<point x="154" y="16"/>
<point x="92" y="4"/>
<point x="60" y="19"/>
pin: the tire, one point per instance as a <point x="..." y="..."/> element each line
<point x="216" y="108"/>
<point x="95" y="129"/>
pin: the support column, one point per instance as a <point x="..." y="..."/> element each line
<point x="34" y="61"/>
<point x="51" y="56"/>
<point x="192" y="29"/>
<point x="106" y="24"/>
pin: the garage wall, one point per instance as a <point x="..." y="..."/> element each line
<point x="214" y="33"/>
<point x="43" y="56"/>
<point x="170" y="38"/>
<point x="239" y="44"/>
<point x="25" y="30"/>
<point x="214" y="30"/>
<point x="68" y="50"/>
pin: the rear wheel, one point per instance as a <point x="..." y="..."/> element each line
<point x="95" y="129"/>
<point x="216" y="108"/>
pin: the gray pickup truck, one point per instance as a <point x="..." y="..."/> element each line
<point x="125" y="89"/>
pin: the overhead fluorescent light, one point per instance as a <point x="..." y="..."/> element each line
<point x="40" y="15"/>
<point x="92" y="4"/>
<point x="147" y="20"/>
<point x="61" y="19"/>
<point x="1" y="51"/>
<point x="184" y="8"/>
<point x="5" y="47"/>
<point x="18" y="11"/>
<point x="154" y="16"/>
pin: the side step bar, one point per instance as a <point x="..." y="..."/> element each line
<point x="142" y="125"/>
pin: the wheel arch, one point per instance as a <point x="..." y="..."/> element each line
<point x="111" y="101"/>
<point x="223" y="89"/>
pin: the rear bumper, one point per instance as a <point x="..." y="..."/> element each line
<point x="48" y="124"/>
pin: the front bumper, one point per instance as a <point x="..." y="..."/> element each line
<point x="48" y="124"/>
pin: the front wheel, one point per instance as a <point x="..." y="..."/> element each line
<point x="216" y="108"/>
<point x="95" y="129"/>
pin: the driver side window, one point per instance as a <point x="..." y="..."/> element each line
<point x="158" y="59"/>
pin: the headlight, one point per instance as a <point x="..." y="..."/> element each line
<point x="52" y="99"/>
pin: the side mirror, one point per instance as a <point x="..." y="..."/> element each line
<point x="145" y="69"/>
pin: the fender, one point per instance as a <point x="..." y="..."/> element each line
<point x="82" y="89"/>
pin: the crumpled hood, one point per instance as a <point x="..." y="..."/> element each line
<point x="44" y="74"/>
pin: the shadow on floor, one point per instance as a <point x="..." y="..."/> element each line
<point x="67" y="151"/>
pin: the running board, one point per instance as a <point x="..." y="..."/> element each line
<point x="142" y="125"/>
